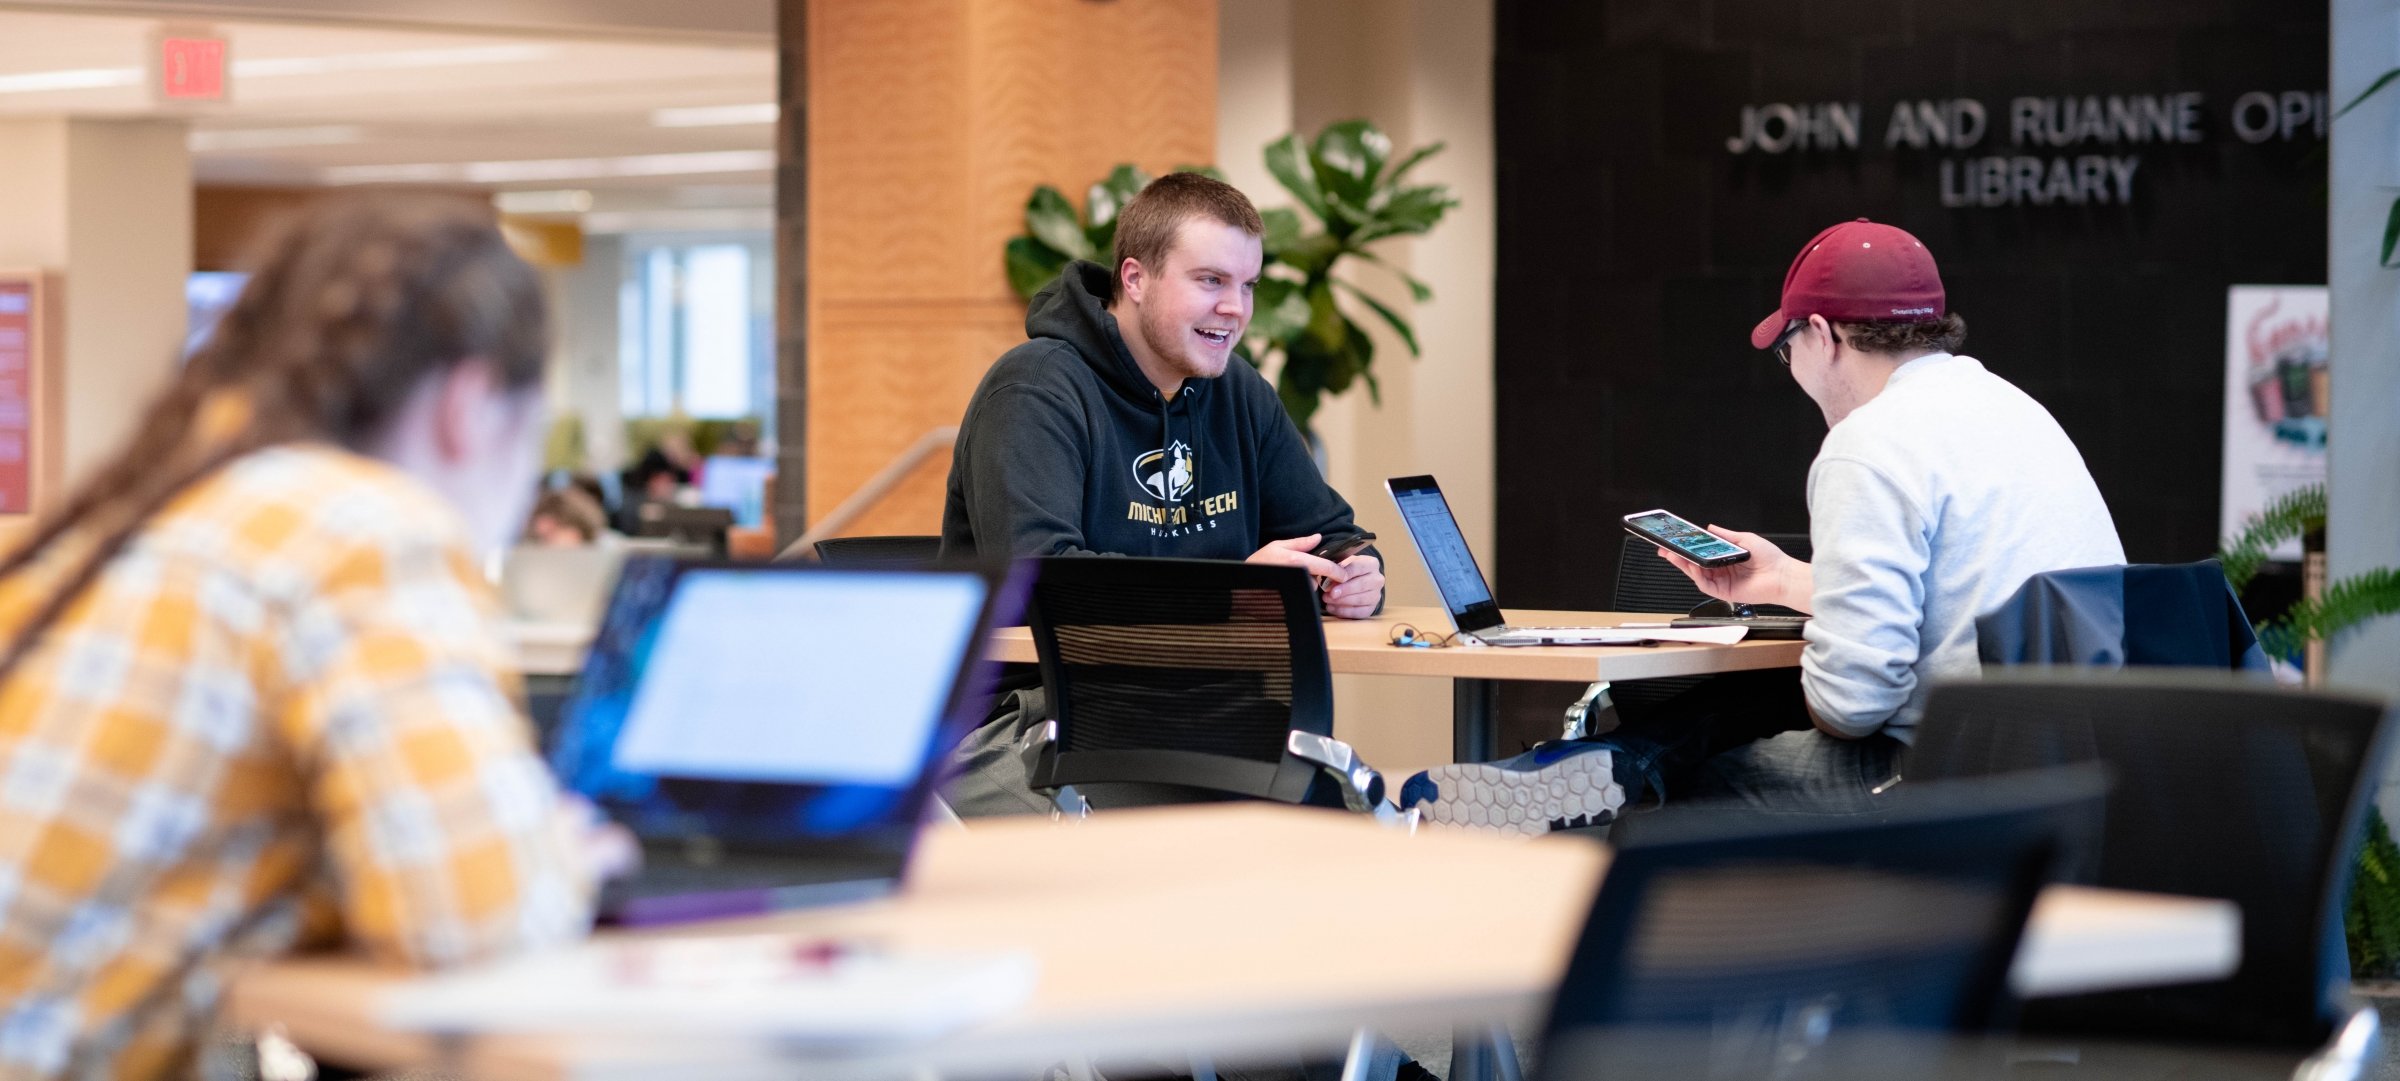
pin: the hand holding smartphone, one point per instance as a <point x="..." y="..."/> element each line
<point x="1341" y="548"/>
<point x="1680" y="536"/>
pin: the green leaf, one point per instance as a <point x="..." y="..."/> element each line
<point x="1031" y="265"/>
<point x="2381" y="81"/>
<point x="1327" y="326"/>
<point x="1051" y="220"/>
<point x="1288" y="160"/>
<point x="1282" y="230"/>
<point x="1399" y="172"/>
<point x="1106" y="198"/>
<point x="2346" y="604"/>
<point x="1408" y="335"/>
<point x="1348" y="157"/>
<point x="1312" y="256"/>
<point x="2391" y="231"/>
<point x="1409" y="213"/>
<point x="1360" y="353"/>
<point x="2290" y="515"/>
<point x="1417" y="290"/>
<point x="1278" y="311"/>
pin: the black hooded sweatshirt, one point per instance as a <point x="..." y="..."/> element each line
<point x="1068" y="448"/>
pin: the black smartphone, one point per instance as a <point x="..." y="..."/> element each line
<point x="1670" y="531"/>
<point x="1341" y="548"/>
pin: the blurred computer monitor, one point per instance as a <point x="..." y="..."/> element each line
<point x="738" y="485"/>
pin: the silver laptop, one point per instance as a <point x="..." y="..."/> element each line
<point x="558" y="585"/>
<point x="1452" y="567"/>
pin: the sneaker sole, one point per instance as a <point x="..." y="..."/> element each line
<point x="1526" y="802"/>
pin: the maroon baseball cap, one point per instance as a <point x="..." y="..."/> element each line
<point x="1858" y="272"/>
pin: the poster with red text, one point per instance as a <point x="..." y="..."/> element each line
<point x="2275" y="399"/>
<point x="20" y="308"/>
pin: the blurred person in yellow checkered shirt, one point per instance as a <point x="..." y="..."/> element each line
<point x="250" y="675"/>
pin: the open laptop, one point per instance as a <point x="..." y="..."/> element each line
<point x="771" y="732"/>
<point x="558" y="585"/>
<point x="1452" y="567"/>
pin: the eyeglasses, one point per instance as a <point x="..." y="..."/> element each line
<point x="1782" y="347"/>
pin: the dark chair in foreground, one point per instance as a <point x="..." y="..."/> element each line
<point x="1173" y="680"/>
<point x="901" y="551"/>
<point x="1183" y="680"/>
<point x="1725" y="944"/>
<point x="2225" y="787"/>
<point x="1646" y="583"/>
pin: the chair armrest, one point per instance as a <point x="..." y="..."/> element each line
<point x="2351" y="1052"/>
<point x="1038" y="750"/>
<point x="1362" y="787"/>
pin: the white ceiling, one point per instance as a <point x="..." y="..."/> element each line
<point x="335" y="103"/>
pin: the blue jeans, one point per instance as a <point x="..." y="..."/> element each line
<point x="1746" y="737"/>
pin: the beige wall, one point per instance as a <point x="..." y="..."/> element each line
<point x="1421" y="69"/>
<point x="108" y="205"/>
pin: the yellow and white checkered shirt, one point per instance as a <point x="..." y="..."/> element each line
<point x="289" y="683"/>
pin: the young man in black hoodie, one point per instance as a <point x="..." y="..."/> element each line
<point x="1124" y="426"/>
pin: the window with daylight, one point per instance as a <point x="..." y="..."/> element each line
<point x="694" y="325"/>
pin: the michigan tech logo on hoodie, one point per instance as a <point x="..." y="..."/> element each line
<point x="1166" y="474"/>
<point x="1169" y="474"/>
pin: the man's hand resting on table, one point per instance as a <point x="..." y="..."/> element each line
<point x="1769" y="576"/>
<point x="1351" y="588"/>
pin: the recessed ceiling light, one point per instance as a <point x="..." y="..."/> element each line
<point x="36" y="82"/>
<point x="272" y="138"/>
<point x="570" y="201"/>
<point x="517" y="172"/>
<point x="395" y="60"/>
<point x="709" y="116"/>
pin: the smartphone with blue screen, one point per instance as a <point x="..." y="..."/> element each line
<point x="1680" y="536"/>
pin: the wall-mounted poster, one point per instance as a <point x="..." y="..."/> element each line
<point x="2275" y="399"/>
<point x="20" y="343"/>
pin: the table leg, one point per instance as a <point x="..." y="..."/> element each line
<point x="1474" y="733"/>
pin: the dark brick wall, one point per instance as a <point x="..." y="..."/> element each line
<point x="791" y="272"/>
<point x="1635" y="252"/>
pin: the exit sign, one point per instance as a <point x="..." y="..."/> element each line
<point x="191" y="68"/>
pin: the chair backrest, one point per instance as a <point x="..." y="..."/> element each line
<point x="2225" y="787"/>
<point x="1736" y="943"/>
<point x="1646" y="583"/>
<point x="2144" y="615"/>
<point x="879" y="551"/>
<point x="1181" y="672"/>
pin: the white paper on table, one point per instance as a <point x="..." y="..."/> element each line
<point x="748" y="985"/>
<point x="1706" y="636"/>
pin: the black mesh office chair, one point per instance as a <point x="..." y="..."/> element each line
<point x="2225" y="787"/>
<point x="1207" y="678"/>
<point x="879" y="551"/>
<point x="1646" y="583"/>
<point x="1726" y="944"/>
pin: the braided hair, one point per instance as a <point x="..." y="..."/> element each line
<point x="354" y="304"/>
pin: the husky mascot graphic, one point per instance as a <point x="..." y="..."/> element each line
<point x="1167" y="473"/>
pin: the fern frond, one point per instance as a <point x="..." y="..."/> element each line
<point x="2346" y="604"/>
<point x="2292" y="514"/>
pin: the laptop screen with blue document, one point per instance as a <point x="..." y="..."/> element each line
<point x="782" y="707"/>
<point x="1444" y="547"/>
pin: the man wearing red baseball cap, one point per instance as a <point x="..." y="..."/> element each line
<point x="1940" y="488"/>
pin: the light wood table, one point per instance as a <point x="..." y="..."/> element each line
<point x="1228" y="932"/>
<point x="1364" y="647"/>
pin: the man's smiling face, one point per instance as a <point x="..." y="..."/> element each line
<point x="1192" y="311"/>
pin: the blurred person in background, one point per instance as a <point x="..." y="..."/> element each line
<point x="251" y="685"/>
<point x="566" y="518"/>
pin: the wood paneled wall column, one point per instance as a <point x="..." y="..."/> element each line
<point x="928" y="122"/>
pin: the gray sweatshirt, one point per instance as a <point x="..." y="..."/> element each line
<point x="1928" y="506"/>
